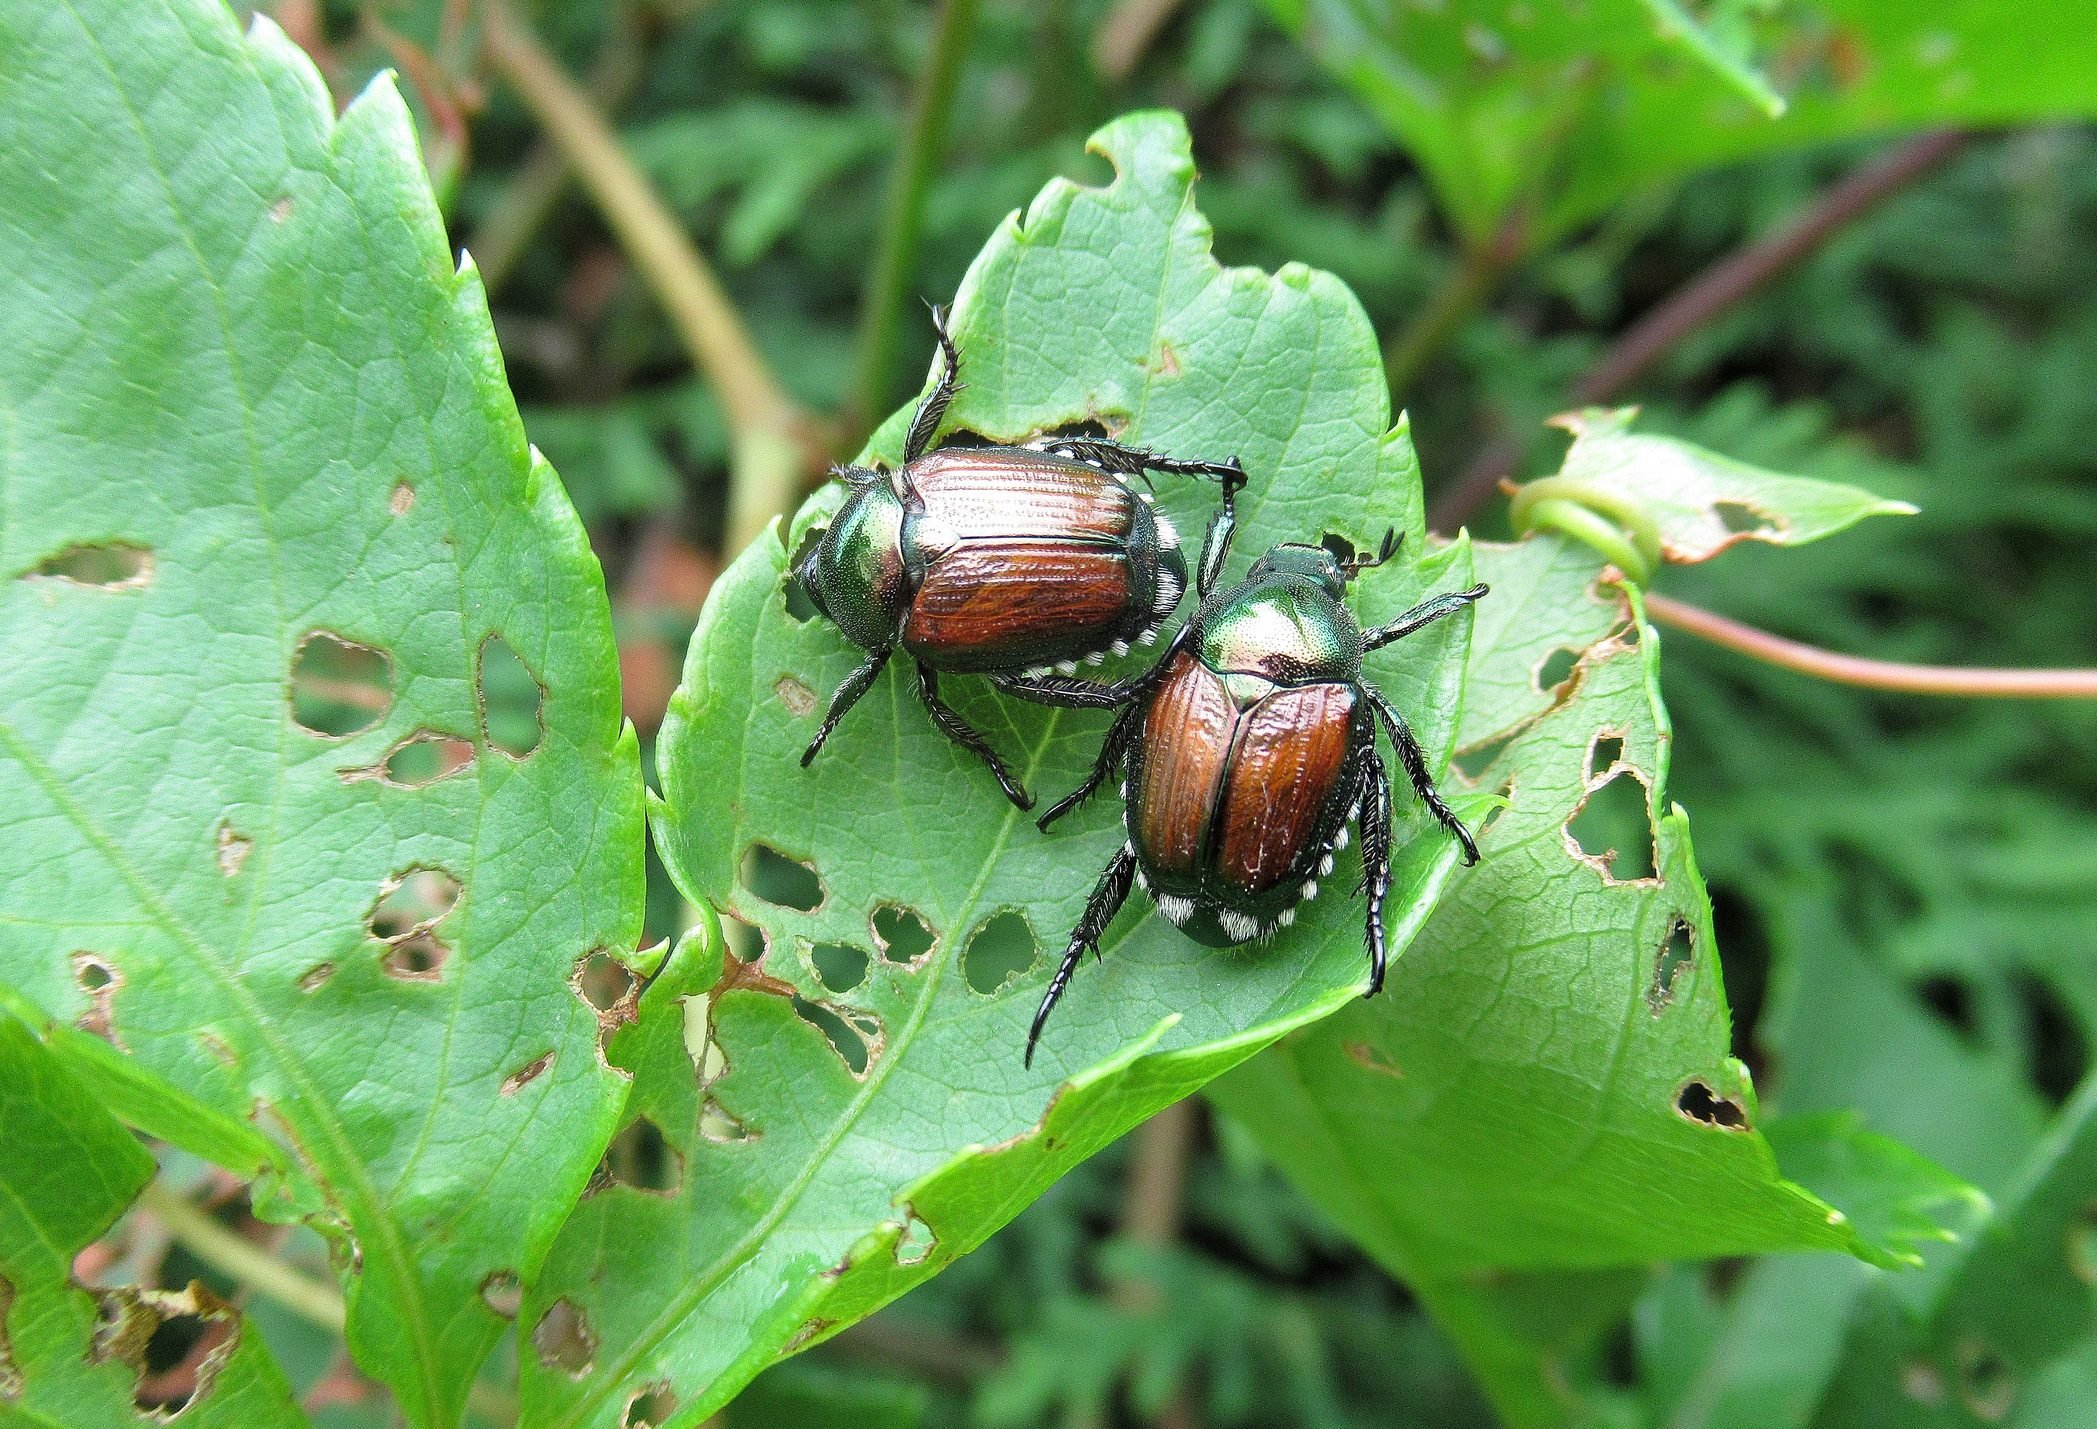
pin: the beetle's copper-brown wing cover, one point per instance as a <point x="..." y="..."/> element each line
<point x="1291" y="754"/>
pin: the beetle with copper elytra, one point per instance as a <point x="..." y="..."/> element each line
<point x="998" y="560"/>
<point x="1250" y="746"/>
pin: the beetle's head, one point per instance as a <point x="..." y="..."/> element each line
<point x="854" y="575"/>
<point x="1312" y="562"/>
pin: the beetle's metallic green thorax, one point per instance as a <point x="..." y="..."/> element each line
<point x="1282" y="627"/>
<point x="856" y="575"/>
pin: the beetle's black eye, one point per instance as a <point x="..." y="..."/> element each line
<point x="808" y="576"/>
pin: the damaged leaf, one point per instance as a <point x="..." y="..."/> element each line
<point x="1517" y="1103"/>
<point x="71" y="1354"/>
<point x="1704" y="502"/>
<point x="850" y="1181"/>
<point x="295" y="409"/>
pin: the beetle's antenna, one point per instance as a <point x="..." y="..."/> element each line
<point x="1354" y="565"/>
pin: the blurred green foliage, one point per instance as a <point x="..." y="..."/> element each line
<point x="1905" y="890"/>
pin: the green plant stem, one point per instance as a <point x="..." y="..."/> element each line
<point x="506" y="233"/>
<point x="903" y="222"/>
<point x="242" y="1260"/>
<point x="1871" y="674"/>
<point x="1455" y="298"/>
<point x="772" y="436"/>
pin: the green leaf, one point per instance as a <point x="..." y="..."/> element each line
<point x="1894" y="1197"/>
<point x="1561" y="110"/>
<point x="815" y="1188"/>
<point x="1701" y="501"/>
<point x="2023" y="1297"/>
<point x="265" y="508"/>
<point x="1545" y="1085"/>
<point x="69" y="1355"/>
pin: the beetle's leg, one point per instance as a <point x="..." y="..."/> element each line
<point x="1109" y="455"/>
<point x="954" y="727"/>
<point x="847" y="695"/>
<point x="1064" y="692"/>
<point x="1117" y="743"/>
<point x="1427" y="612"/>
<point x="1374" y="790"/>
<point x="924" y="423"/>
<point x="1108" y="895"/>
<point x="1216" y="544"/>
<point x="1415" y="761"/>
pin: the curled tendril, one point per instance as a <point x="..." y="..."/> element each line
<point x="1620" y="529"/>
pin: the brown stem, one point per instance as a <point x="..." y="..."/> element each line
<point x="772" y="436"/>
<point x="1150" y="1215"/>
<point x="1718" y="288"/>
<point x="1871" y="674"/>
<point x="1118" y="45"/>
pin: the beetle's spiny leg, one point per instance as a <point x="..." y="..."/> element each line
<point x="959" y="730"/>
<point x="1376" y="857"/>
<point x="1415" y="761"/>
<point x="1108" y="895"/>
<point x="1111" y="751"/>
<point x="855" y="685"/>
<point x="1427" y="612"/>
<point x="924" y="423"/>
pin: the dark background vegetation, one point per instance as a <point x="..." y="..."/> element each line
<point x="1906" y="888"/>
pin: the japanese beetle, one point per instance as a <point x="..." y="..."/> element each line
<point x="1250" y="746"/>
<point x="997" y="560"/>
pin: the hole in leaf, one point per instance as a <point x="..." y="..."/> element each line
<point x="1987" y="1383"/>
<point x="1951" y="999"/>
<point x="1700" y="1103"/>
<point x="174" y="1341"/>
<point x="651" y="1406"/>
<point x="797" y="697"/>
<point x="563" y="1339"/>
<point x="99" y="979"/>
<point x="1491" y="816"/>
<point x="1556" y="669"/>
<point x="1612" y="829"/>
<point x="1675" y="958"/>
<point x="916" y="1242"/>
<point x="1604" y="753"/>
<point x="1741" y="519"/>
<point x="603" y="981"/>
<point x="416" y="957"/>
<point x="10" y="1373"/>
<point x="640" y="1158"/>
<point x="779" y="880"/>
<point x="1002" y="949"/>
<point x="718" y="1124"/>
<point x="502" y="1293"/>
<point x="856" y="1036"/>
<point x="233" y="849"/>
<point x="338" y="686"/>
<point x="1342" y="549"/>
<point x="422" y="758"/>
<point x="2059" y="1056"/>
<point x="109" y="565"/>
<point x="839" y="966"/>
<point x="2082" y="1244"/>
<point x="412" y="901"/>
<point x="902" y="934"/>
<point x="525" y="1074"/>
<point x="313" y="978"/>
<point x="403" y="497"/>
<point x="798" y="605"/>
<point x="1473" y="762"/>
<point x="512" y="700"/>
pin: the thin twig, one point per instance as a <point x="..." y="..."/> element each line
<point x="1719" y="287"/>
<point x="772" y="435"/>
<point x="240" y="1259"/>
<point x="1151" y="1208"/>
<point x="1455" y="298"/>
<point x="1872" y="674"/>
<point x="503" y="236"/>
<point x="903" y="223"/>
